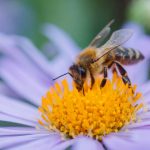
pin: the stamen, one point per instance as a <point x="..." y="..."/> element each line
<point x="95" y="114"/>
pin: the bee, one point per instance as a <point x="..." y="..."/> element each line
<point x="97" y="58"/>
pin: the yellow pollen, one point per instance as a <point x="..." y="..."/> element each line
<point x="96" y="113"/>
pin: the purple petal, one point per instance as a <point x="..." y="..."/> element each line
<point x="62" y="145"/>
<point x="21" y="82"/>
<point x="139" y="40"/>
<point x="139" y="125"/>
<point x="29" y="68"/>
<point x="43" y="143"/>
<point x="145" y="88"/>
<point x="143" y="115"/>
<point x="28" y="141"/>
<point x="134" y="75"/>
<point x="85" y="143"/>
<point x="138" y="30"/>
<point x="59" y="65"/>
<point x="14" y="119"/>
<point x="7" y="90"/>
<point x="147" y="98"/>
<point x="133" y="140"/>
<point x="25" y="52"/>
<point x="35" y="55"/>
<point x="65" y="44"/>
<point x="67" y="49"/>
<point x="11" y="108"/>
<point x="10" y="141"/>
<point x="14" y="131"/>
<point x="22" y="51"/>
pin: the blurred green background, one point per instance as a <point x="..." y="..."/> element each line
<point x="82" y="19"/>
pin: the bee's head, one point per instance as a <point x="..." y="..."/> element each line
<point x="78" y="74"/>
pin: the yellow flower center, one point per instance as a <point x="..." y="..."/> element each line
<point x="96" y="113"/>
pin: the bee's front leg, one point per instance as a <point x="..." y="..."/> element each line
<point x="123" y="73"/>
<point x="104" y="80"/>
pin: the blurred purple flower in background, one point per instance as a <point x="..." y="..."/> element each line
<point x="27" y="74"/>
<point x="15" y="17"/>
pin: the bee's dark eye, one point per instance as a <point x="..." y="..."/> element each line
<point x="82" y="72"/>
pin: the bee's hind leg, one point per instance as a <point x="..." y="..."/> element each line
<point x="104" y="80"/>
<point x="113" y="68"/>
<point x="92" y="78"/>
<point x="83" y="91"/>
<point x="123" y="73"/>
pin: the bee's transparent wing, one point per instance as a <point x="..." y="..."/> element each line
<point x="97" y="41"/>
<point x="118" y="38"/>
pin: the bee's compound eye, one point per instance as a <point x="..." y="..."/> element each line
<point x="82" y="72"/>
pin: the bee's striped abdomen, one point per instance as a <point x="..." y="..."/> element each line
<point x="127" y="56"/>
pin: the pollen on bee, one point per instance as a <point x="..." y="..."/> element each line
<point x="95" y="114"/>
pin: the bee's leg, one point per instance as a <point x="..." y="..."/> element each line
<point x="92" y="78"/>
<point x="123" y="73"/>
<point x="113" y="68"/>
<point x="83" y="91"/>
<point x="104" y="80"/>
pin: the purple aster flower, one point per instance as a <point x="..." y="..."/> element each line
<point x="26" y="74"/>
<point x="27" y="134"/>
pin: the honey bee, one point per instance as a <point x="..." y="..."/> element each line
<point x="97" y="58"/>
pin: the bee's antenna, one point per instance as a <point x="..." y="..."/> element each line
<point x="62" y="75"/>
